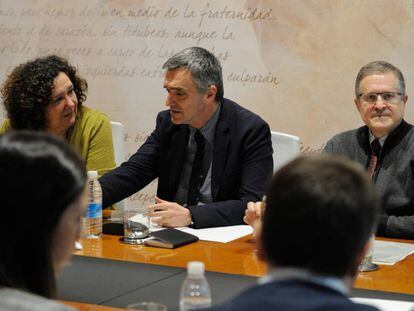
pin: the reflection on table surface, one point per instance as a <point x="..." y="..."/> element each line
<point x="236" y="257"/>
<point x="89" y="307"/>
<point x="239" y="257"/>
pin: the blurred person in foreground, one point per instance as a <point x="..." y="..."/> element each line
<point x="47" y="94"/>
<point x="320" y="213"/>
<point x="43" y="217"/>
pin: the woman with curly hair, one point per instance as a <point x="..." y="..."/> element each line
<point x="46" y="94"/>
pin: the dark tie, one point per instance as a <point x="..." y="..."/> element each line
<point x="373" y="162"/>
<point x="197" y="175"/>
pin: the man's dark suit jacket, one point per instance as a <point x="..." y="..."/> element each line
<point x="292" y="295"/>
<point x="241" y="165"/>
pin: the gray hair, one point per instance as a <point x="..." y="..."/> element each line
<point x="205" y="68"/>
<point x="379" y="67"/>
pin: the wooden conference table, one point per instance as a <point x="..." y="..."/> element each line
<point x="235" y="262"/>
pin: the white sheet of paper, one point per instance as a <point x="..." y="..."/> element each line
<point x="139" y="218"/>
<point x="388" y="253"/>
<point x="386" y="305"/>
<point x="220" y="234"/>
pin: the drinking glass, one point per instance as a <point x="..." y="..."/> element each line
<point x="136" y="225"/>
<point x="366" y="264"/>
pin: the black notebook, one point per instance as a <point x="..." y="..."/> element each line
<point x="113" y="228"/>
<point x="170" y="238"/>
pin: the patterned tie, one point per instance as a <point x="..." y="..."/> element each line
<point x="373" y="162"/>
<point x="197" y="175"/>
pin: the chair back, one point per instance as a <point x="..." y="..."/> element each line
<point x="119" y="154"/>
<point x="118" y="140"/>
<point x="286" y="147"/>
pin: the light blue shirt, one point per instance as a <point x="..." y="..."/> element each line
<point x="381" y="140"/>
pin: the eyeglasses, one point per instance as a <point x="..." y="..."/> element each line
<point x="388" y="97"/>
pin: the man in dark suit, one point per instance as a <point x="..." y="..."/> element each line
<point x="211" y="156"/>
<point x="320" y="213"/>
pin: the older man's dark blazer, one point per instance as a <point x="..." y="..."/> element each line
<point x="241" y="165"/>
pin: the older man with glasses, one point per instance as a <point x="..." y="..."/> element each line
<point x="385" y="145"/>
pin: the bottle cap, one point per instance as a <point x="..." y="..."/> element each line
<point x="195" y="268"/>
<point x="92" y="174"/>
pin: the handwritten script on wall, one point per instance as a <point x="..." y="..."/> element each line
<point x="291" y="62"/>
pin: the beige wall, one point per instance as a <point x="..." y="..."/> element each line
<point x="306" y="53"/>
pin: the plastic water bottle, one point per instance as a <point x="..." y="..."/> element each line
<point x="195" y="291"/>
<point x="92" y="216"/>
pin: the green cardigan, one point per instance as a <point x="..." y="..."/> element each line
<point x="91" y="136"/>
